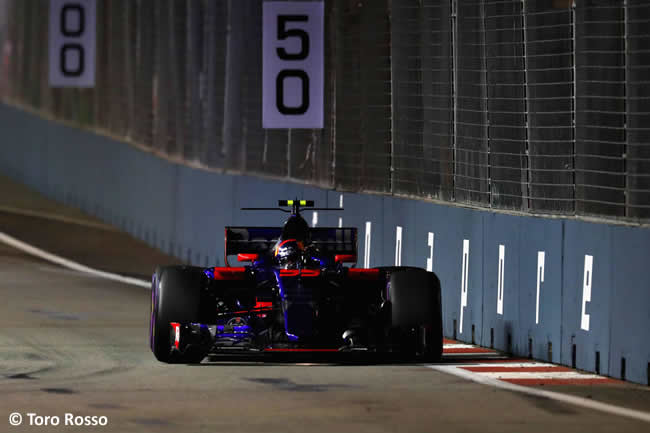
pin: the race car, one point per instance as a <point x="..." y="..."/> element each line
<point x="294" y="294"/>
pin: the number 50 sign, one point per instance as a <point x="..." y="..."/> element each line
<point x="72" y="43"/>
<point x="292" y="65"/>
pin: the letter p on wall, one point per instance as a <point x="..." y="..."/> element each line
<point x="586" y="291"/>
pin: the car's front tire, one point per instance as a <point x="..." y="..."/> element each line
<point x="175" y="297"/>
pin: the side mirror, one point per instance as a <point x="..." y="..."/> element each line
<point x="241" y="257"/>
<point x="345" y="258"/>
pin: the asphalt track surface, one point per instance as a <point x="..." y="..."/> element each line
<point x="74" y="343"/>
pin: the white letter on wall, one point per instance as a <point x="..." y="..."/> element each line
<point x="314" y="219"/>
<point x="430" y="258"/>
<point x="502" y="258"/>
<point x="586" y="290"/>
<point x="541" y="255"/>
<point x="366" y="252"/>
<point x="463" y="283"/>
<point x="341" y="206"/>
<point x="398" y="246"/>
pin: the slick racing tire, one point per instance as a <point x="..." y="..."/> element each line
<point x="175" y="297"/>
<point x="416" y="313"/>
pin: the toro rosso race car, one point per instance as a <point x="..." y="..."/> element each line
<point x="295" y="294"/>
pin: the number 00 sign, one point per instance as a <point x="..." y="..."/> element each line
<point x="293" y="65"/>
<point x="72" y="43"/>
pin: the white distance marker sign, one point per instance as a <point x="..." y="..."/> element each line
<point x="72" y="36"/>
<point x="292" y="69"/>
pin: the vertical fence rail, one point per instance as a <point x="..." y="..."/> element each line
<point x="637" y="86"/>
<point x="600" y="108"/>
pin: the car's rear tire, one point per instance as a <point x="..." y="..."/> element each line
<point x="416" y="313"/>
<point x="175" y="297"/>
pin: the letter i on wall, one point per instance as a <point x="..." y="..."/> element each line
<point x="541" y="258"/>
<point x="502" y="258"/>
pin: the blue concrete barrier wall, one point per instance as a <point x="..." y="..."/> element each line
<point x="573" y="292"/>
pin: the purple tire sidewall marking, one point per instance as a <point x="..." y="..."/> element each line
<point x="152" y="321"/>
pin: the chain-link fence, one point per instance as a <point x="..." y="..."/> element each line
<point x="530" y="105"/>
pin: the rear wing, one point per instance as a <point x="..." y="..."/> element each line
<point x="250" y="240"/>
<point x="261" y="240"/>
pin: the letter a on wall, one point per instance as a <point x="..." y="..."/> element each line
<point x="72" y="36"/>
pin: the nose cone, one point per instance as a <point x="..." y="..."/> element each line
<point x="299" y="321"/>
<point x="297" y="307"/>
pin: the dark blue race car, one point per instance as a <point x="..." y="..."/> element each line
<point x="296" y="294"/>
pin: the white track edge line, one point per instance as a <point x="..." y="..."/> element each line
<point x="34" y="251"/>
<point x="566" y="398"/>
<point x="523" y="374"/>
<point x="522" y="365"/>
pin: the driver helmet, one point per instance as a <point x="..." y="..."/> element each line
<point x="289" y="253"/>
<point x="296" y="228"/>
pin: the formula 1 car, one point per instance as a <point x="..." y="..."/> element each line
<point x="296" y="294"/>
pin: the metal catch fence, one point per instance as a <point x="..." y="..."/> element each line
<point x="540" y="106"/>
